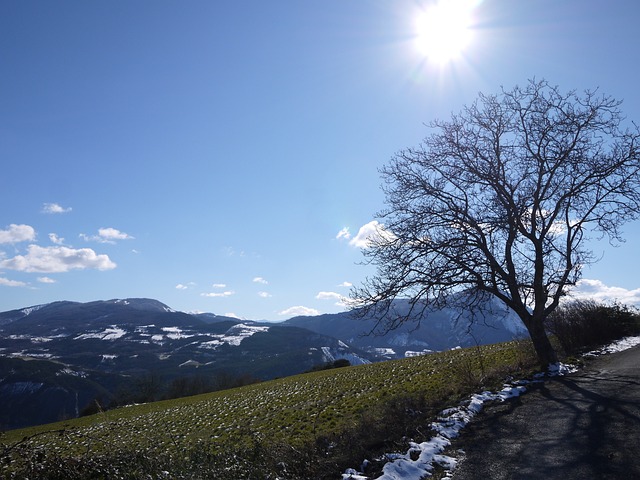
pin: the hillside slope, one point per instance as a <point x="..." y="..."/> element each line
<point x="106" y="346"/>
<point x="437" y="331"/>
<point x="311" y="426"/>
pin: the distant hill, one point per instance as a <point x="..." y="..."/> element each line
<point x="57" y="358"/>
<point x="437" y="331"/>
<point x="65" y="354"/>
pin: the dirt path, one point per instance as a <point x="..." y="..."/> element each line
<point x="581" y="426"/>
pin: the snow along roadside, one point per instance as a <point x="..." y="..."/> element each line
<point x="401" y="466"/>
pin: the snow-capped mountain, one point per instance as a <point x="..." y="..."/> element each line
<point x="57" y="358"/>
<point x="77" y="351"/>
<point x="438" y="330"/>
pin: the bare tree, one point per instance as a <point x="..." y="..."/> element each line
<point x="501" y="201"/>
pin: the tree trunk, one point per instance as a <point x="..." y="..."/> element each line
<point x="544" y="350"/>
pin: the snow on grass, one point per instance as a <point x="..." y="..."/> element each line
<point x="285" y="410"/>
<point x="109" y="333"/>
<point x="176" y="333"/>
<point x="419" y="460"/>
<point x="30" y="338"/>
<point x="236" y="334"/>
<point x="622" y="344"/>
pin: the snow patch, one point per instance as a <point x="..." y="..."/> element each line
<point x="176" y="333"/>
<point x="236" y="334"/>
<point x="73" y="373"/>
<point x="410" y="353"/>
<point x="622" y="344"/>
<point x="30" y="338"/>
<point x="327" y="355"/>
<point x="419" y="460"/>
<point x="110" y="333"/>
<point x="384" y="352"/>
<point x="212" y="344"/>
<point x="30" y="310"/>
<point x="190" y="363"/>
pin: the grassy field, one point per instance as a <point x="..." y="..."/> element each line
<point x="306" y="426"/>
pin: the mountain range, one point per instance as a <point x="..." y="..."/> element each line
<point x="56" y="359"/>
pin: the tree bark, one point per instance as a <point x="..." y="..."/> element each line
<point x="544" y="350"/>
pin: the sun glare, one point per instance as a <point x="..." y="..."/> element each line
<point x="443" y="30"/>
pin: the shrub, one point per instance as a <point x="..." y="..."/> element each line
<point x="340" y="363"/>
<point x="586" y="324"/>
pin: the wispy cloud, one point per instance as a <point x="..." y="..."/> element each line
<point x="264" y="294"/>
<point x="46" y="280"/>
<point x="17" y="233"/>
<point x="344" y="233"/>
<point x="227" y="293"/>
<point x="57" y="259"/>
<point x="219" y="285"/>
<point x="107" y="235"/>
<point x="5" y="282"/>
<point x="598" y="291"/>
<point x="56" y="239"/>
<point x="232" y="252"/>
<point x="260" y="280"/>
<point x="181" y="287"/>
<point x="346" y="284"/>
<point x="54" y="208"/>
<point x="299" y="310"/>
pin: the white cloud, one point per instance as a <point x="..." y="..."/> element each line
<point x="370" y="232"/>
<point x="57" y="259"/>
<point x="54" y="208"/>
<point x="598" y="291"/>
<point x="46" y="280"/>
<point x="107" y="235"/>
<point x="344" y="233"/>
<point x="56" y="239"/>
<point x="346" y="284"/>
<point x="5" y="282"/>
<point x="299" y="310"/>
<point x="264" y="294"/>
<point x="113" y="234"/>
<point x="181" y="287"/>
<point x="328" y="296"/>
<point x="218" y="294"/>
<point x="341" y="300"/>
<point x="260" y="280"/>
<point x="17" y="233"/>
<point x="219" y="285"/>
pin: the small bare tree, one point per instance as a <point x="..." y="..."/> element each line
<point x="500" y="201"/>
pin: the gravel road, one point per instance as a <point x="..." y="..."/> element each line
<point x="581" y="426"/>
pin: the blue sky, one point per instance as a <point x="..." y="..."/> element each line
<point x="223" y="156"/>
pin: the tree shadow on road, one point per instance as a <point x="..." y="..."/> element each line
<point x="583" y="426"/>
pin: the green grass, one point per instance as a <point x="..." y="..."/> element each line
<point x="270" y="422"/>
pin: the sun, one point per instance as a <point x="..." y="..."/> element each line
<point x="444" y="30"/>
